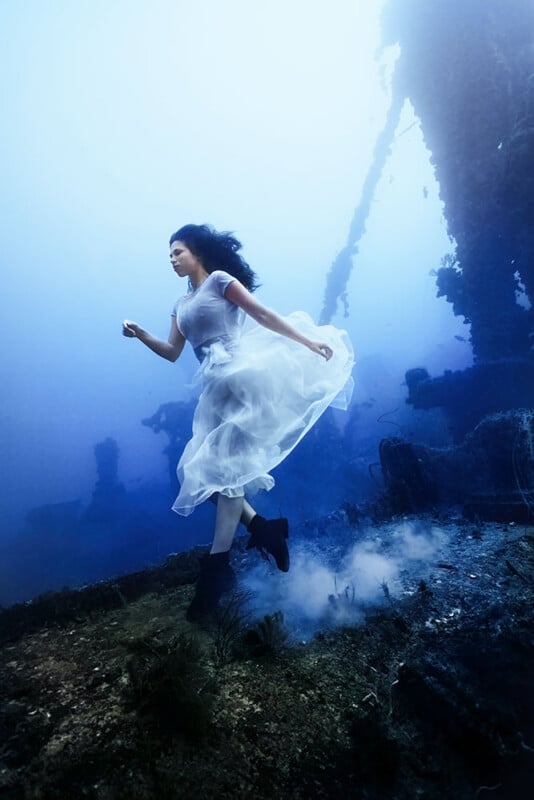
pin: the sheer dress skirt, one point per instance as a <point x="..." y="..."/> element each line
<point x="258" y="399"/>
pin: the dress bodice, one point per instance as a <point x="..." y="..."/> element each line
<point x="205" y="316"/>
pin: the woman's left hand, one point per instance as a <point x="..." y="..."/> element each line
<point x="321" y="349"/>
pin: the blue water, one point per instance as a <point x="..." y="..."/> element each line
<point x="116" y="134"/>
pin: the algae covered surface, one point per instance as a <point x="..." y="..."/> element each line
<point x="426" y="691"/>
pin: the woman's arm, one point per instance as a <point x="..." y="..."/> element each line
<point x="237" y="294"/>
<point x="171" y="349"/>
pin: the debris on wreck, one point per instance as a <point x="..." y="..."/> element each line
<point x="340" y="270"/>
<point x="467" y="69"/>
<point x="491" y="473"/>
<point x="109" y="491"/>
<point x="467" y="396"/>
<point x="174" y="419"/>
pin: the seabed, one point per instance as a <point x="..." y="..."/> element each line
<point x="109" y="693"/>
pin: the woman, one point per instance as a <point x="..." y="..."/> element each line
<point x="262" y="390"/>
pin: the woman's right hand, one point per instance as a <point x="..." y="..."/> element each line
<point x="130" y="329"/>
<point x="321" y="349"/>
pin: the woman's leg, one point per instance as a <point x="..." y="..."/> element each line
<point x="229" y="511"/>
<point x="247" y="514"/>
<point x="267" y="535"/>
<point x="216" y="575"/>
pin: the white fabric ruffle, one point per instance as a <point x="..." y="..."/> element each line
<point x="257" y="402"/>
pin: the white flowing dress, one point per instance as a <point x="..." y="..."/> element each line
<point x="261" y="393"/>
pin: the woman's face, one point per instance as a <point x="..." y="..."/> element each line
<point x="184" y="263"/>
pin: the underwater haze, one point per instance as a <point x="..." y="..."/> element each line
<point x="124" y="120"/>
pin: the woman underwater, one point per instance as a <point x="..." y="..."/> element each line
<point x="263" y="387"/>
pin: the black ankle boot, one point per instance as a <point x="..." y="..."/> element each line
<point x="215" y="578"/>
<point x="269" y="536"/>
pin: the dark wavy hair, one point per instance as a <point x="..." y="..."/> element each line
<point x="217" y="250"/>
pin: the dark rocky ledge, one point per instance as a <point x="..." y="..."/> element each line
<point x="108" y="693"/>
